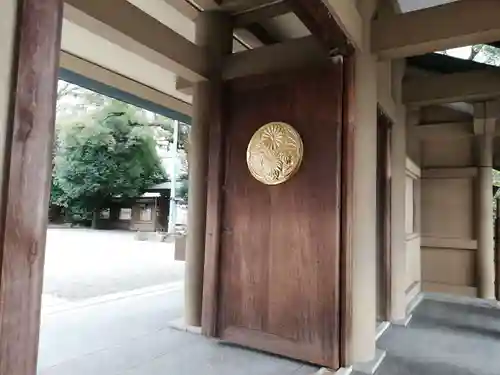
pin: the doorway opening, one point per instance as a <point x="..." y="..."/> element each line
<point x="112" y="278"/>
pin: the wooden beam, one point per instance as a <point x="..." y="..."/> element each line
<point x="184" y="7"/>
<point x="293" y="54"/>
<point x="346" y="15"/>
<point x="449" y="243"/>
<point x="188" y="10"/>
<point x="445" y="130"/>
<point x="261" y="34"/>
<point x="261" y="14"/>
<point x="449" y="88"/>
<point x="207" y="4"/>
<point x="107" y="77"/>
<point x="317" y="16"/>
<point x="240" y="6"/>
<point x="127" y="26"/>
<point x="184" y="86"/>
<point x="28" y="64"/>
<point x="458" y="172"/>
<point x="438" y="28"/>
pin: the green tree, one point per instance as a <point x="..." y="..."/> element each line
<point x="109" y="154"/>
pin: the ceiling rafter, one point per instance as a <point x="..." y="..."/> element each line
<point x="262" y="13"/>
<point x="127" y="26"/>
<point x="438" y="28"/>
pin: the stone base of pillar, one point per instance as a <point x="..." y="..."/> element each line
<point x="181" y="325"/>
<point x="340" y="371"/>
<point x="381" y="328"/>
<point x="371" y="366"/>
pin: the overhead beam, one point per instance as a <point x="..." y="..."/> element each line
<point x="453" y="172"/>
<point x="438" y="28"/>
<point x="326" y="20"/>
<point x="119" y="82"/>
<point x="276" y="57"/>
<point x="208" y="4"/>
<point x="261" y="14"/>
<point x="446" y="130"/>
<point x="239" y="6"/>
<point x="184" y="7"/>
<point x="188" y="10"/>
<point x="184" y="86"/>
<point x="261" y="34"/>
<point x="130" y="28"/>
<point x="348" y="18"/>
<point x="449" y="88"/>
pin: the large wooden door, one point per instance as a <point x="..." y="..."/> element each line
<point x="279" y="255"/>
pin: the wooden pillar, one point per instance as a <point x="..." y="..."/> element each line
<point x="364" y="293"/>
<point x="29" y="55"/>
<point x="486" y="251"/>
<point x="214" y="32"/>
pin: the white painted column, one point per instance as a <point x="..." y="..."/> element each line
<point x="364" y="294"/>
<point x="398" y="218"/>
<point x="214" y="33"/>
<point x="486" y="252"/>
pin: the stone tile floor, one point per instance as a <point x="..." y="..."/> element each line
<point x="448" y="336"/>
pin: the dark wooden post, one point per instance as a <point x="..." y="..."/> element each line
<point x="214" y="34"/>
<point x="28" y="66"/>
<point x="497" y="249"/>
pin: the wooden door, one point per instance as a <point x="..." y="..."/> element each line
<point x="279" y="255"/>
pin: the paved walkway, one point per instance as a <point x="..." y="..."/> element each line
<point x="82" y="264"/>
<point x="131" y="336"/>
<point x="457" y="336"/>
<point x="107" y="304"/>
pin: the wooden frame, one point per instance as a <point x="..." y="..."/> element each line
<point x="125" y="25"/>
<point x="216" y="172"/>
<point x="435" y="29"/>
<point x="26" y="168"/>
<point x="347" y="209"/>
<point x="316" y="16"/>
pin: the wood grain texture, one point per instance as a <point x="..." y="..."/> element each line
<point x="26" y="183"/>
<point x="214" y="206"/>
<point x="280" y="245"/>
<point x="347" y="209"/>
<point x="317" y="18"/>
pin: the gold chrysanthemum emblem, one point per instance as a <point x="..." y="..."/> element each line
<point x="274" y="153"/>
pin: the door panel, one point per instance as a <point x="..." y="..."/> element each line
<point x="279" y="255"/>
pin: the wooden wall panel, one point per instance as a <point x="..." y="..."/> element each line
<point x="459" y="290"/>
<point x="447" y="208"/>
<point x="449" y="266"/>
<point x="26" y="183"/>
<point x="413" y="261"/>
<point x="456" y="152"/>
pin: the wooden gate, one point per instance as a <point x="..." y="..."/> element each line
<point x="278" y="277"/>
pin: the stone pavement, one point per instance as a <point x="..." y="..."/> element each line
<point x="452" y="336"/>
<point x="107" y="306"/>
<point x="83" y="263"/>
<point x="131" y="336"/>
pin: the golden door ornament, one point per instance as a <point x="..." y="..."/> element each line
<point x="274" y="153"/>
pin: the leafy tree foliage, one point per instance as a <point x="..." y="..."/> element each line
<point x="107" y="154"/>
